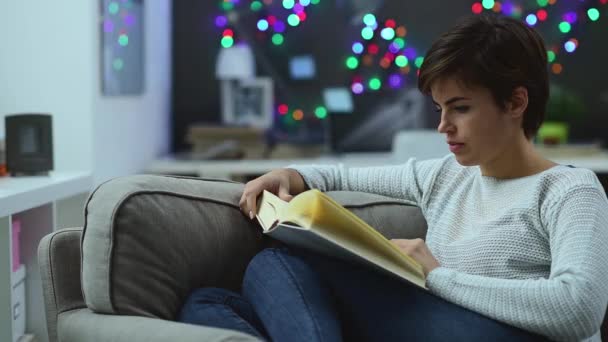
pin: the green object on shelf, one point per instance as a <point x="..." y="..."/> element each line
<point x="553" y="133"/>
<point x="564" y="105"/>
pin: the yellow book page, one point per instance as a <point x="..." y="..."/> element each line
<point x="315" y="210"/>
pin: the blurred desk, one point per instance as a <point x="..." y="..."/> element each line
<point x="238" y="169"/>
<point x="234" y="169"/>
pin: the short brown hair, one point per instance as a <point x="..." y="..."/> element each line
<point x="498" y="53"/>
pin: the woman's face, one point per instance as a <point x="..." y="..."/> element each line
<point x="476" y="128"/>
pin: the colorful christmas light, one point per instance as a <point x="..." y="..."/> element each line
<point x="531" y="19"/>
<point x="298" y="114"/>
<point x="593" y="14"/>
<point x="382" y="55"/>
<point x="584" y="12"/>
<point x="570" y="46"/>
<point x="358" y="48"/>
<point x="284" y="14"/>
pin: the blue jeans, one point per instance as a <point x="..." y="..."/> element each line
<point x="290" y="295"/>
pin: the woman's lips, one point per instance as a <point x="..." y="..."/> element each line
<point x="456" y="147"/>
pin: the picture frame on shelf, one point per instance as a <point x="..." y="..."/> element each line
<point x="248" y="102"/>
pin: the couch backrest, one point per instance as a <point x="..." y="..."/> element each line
<point x="150" y="240"/>
<point x="392" y="217"/>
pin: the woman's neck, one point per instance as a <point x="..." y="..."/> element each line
<point x="520" y="160"/>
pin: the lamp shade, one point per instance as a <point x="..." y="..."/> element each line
<point x="236" y="62"/>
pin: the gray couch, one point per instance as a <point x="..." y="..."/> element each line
<point x="150" y="240"/>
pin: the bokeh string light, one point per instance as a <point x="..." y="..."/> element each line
<point x="289" y="113"/>
<point x="274" y="18"/>
<point x="382" y="58"/>
<point x="581" y="12"/>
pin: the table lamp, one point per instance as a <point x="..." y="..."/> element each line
<point x="236" y="62"/>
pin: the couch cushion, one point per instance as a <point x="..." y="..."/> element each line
<point x="150" y="240"/>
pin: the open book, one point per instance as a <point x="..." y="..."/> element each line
<point x="314" y="221"/>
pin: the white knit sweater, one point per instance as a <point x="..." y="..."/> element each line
<point x="531" y="252"/>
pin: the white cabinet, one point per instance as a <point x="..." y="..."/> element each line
<point x="40" y="205"/>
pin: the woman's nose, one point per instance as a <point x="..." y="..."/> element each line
<point x="444" y="125"/>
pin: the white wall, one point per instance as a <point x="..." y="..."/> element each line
<point x="46" y="65"/>
<point x="49" y="62"/>
<point x="131" y="131"/>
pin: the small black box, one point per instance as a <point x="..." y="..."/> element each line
<point x="29" y="144"/>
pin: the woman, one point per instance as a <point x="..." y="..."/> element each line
<point x="516" y="244"/>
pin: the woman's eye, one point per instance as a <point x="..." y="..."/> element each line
<point x="438" y="110"/>
<point x="462" y="109"/>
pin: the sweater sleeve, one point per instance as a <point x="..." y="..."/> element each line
<point x="571" y="303"/>
<point x="409" y="181"/>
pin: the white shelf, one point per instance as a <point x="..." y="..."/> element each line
<point x="596" y="163"/>
<point x="42" y="204"/>
<point x="18" y="194"/>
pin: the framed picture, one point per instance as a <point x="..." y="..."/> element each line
<point x="122" y="47"/>
<point x="248" y="102"/>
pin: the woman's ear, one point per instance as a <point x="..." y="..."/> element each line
<point x="519" y="102"/>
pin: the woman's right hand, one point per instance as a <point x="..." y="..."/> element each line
<point x="285" y="183"/>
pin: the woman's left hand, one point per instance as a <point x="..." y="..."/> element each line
<point x="418" y="250"/>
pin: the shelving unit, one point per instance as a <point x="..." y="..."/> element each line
<point x="42" y="204"/>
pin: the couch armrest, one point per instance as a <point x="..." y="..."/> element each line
<point x="59" y="262"/>
<point x="84" y="325"/>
